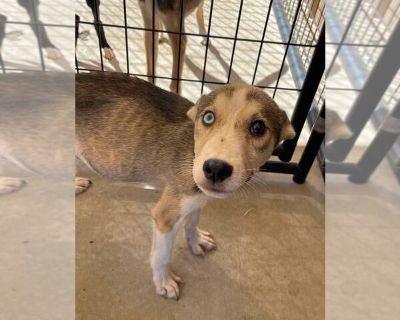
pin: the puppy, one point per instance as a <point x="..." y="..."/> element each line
<point x="168" y="13"/>
<point x="130" y="130"/>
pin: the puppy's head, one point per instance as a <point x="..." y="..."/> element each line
<point x="237" y="127"/>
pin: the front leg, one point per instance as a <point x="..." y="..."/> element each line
<point x="198" y="240"/>
<point x="165" y="281"/>
<point x="168" y="215"/>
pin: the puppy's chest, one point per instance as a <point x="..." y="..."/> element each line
<point x="193" y="202"/>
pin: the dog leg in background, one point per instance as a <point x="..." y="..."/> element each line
<point x="10" y="184"/>
<point x="172" y="24"/>
<point x="37" y="26"/>
<point x="94" y="5"/>
<point x="147" y="14"/>
<point x="198" y="240"/>
<point x="168" y="215"/>
<point x="200" y="23"/>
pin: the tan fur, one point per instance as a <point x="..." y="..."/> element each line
<point x="229" y="139"/>
<point x="166" y="211"/>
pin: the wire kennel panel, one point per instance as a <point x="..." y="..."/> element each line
<point x="236" y="35"/>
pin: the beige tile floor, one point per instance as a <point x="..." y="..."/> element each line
<point x="269" y="263"/>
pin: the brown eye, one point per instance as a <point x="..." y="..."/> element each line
<point x="257" y="128"/>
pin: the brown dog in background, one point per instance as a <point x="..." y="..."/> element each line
<point x="168" y="13"/>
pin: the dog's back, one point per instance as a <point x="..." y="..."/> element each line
<point x="129" y="129"/>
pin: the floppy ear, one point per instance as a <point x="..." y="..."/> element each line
<point x="287" y="131"/>
<point x="192" y="112"/>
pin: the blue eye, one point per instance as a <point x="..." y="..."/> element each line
<point x="208" y="118"/>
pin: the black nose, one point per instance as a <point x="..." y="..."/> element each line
<point x="217" y="170"/>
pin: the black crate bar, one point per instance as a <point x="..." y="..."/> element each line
<point x="299" y="62"/>
<point x="378" y="81"/>
<point x="313" y="146"/>
<point x="304" y="102"/>
<point x="179" y="44"/>
<point x="126" y="37"/>
<point x="153" y="48"/>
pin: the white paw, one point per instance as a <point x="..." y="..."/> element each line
<point x="54" y="53"/>
<point x="201" y="242"/>
<point x="81" y="184"/>
<point x="8" y="184"/>
<point x="109" y="53"/>
<point x="167" y="286"/>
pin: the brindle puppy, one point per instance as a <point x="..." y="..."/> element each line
<point x="130" y="130"/>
